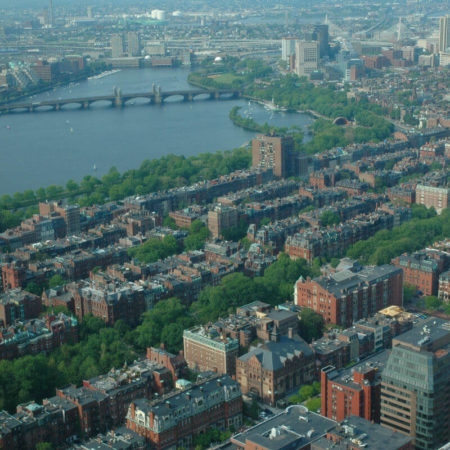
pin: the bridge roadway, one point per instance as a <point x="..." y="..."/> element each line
<point x="118" y="99"/>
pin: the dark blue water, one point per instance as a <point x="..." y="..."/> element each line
<point x="47" y="148"/>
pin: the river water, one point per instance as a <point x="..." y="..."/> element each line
<point x="44" y="148"/>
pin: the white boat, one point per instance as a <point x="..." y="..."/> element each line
<point x="103" y="74"/>
<point x="272" y="106"/>
<point x="94" y="167"/>
<point x="71" y="130"/>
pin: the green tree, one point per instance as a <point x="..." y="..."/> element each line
<point x="71" y="186"/>
<point x="432" y="302"/>
<point x="408" y="292"/>
<point x="170" y="223"/>
<point x="311" y="325"/>
<point x="44" y="446"/>
<point x="55" y="281"/>
<point x="198" y="234"/>
<point x="329" y="218"/>
<point x="314" y="404"/>
<point x="34" y="288"/>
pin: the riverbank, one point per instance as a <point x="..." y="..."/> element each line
<point x="250" y="125"/>
<point x="49" y="87"/>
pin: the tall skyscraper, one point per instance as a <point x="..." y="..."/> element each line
<point x="133" y="44"/>
<point x="320" y="33"/>
<point x="116" y="46"/>
<point x="287" y="48"/>
<point x="306" y="57"/>
<point x="415" y="389"/>
<point x="50" y="12"/>
<point x="444" y="33"/>
<point x="273" y="152"/>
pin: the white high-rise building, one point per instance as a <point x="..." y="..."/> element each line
<point x="133" y="44"/>
<point x="287" y="48"/>
<point x="444" y="33"/>
<point x="307" y="56"/>
<point x="116" y="46"/>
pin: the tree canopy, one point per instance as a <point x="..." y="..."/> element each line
<point x="409" y="237"/>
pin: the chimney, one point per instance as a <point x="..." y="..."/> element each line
<point x="290" y="333"/>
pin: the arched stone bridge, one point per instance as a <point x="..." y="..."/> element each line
<point x="119" y="99"/>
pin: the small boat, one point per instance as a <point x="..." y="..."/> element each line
<point x="71" y="130"/>
<point x="8" y="127"/>
<point x="95" y="167"/>
<point x="67" y="121"/>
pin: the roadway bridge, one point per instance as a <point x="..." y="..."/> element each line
<point x="119" y="99"/>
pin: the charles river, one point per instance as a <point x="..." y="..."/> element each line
<point x="44" y="148"/>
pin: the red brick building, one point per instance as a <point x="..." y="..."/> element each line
<point x="321" y="180"/>
<point x="444" y="286"/>
<point x="276" y="368"/>
<point x="13" y="276"/>
<point x="172" y="421"/>
<point x="176" y="364"/>
<point x="205" y="349"/>
<point x="345" y="297"/>
<point x="273" y="152"/>
<point x="422" y="269"/>
<point x="431" y="196"/>
<point x="353" y="392"/>
<point x="92" y="407"/>
<point x="37" y="335"/>
<point x="54" y="421"/>
<point x="110" y="303"/>
<point x="16" y="304"/>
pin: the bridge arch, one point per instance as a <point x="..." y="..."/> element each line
<point x="202" y="96"/>
<point x="71" y="105"/>
<point x="43" y="107"/>
<point x="175" y="97"/>
<point x="139" y="100"/>
<point x="101" y="102"/>
<point x="340" y="121"/>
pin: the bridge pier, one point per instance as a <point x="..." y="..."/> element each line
<point x="31" y="109"/>
<point x="57" y="107"/>
<point x="85" y="105"/>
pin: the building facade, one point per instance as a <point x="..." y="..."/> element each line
<point x="16" y="304"/>
<point x="287" y="48"/>
<point x="431" y="196"/>
<point x="221" y="218"/>
<point x="345" y="297"/>
<point x="444" y="286"/>
<point x="205" y="349"/>
<point x="415" y="391"/>
<point x="422" y="269"/>
<point x="444" y="33"/>
<point x="273" y="152"/>
<point x="307" y="55"/>
<point x="276" y="368"/>
<point x="353" y="392"/>
<point x="173" y="421"/>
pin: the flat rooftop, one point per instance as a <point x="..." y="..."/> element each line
<point x="432" y="334"/>
<point x="296" y="427"/>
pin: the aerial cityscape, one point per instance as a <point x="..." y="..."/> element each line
<point x="224" y="225"/>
